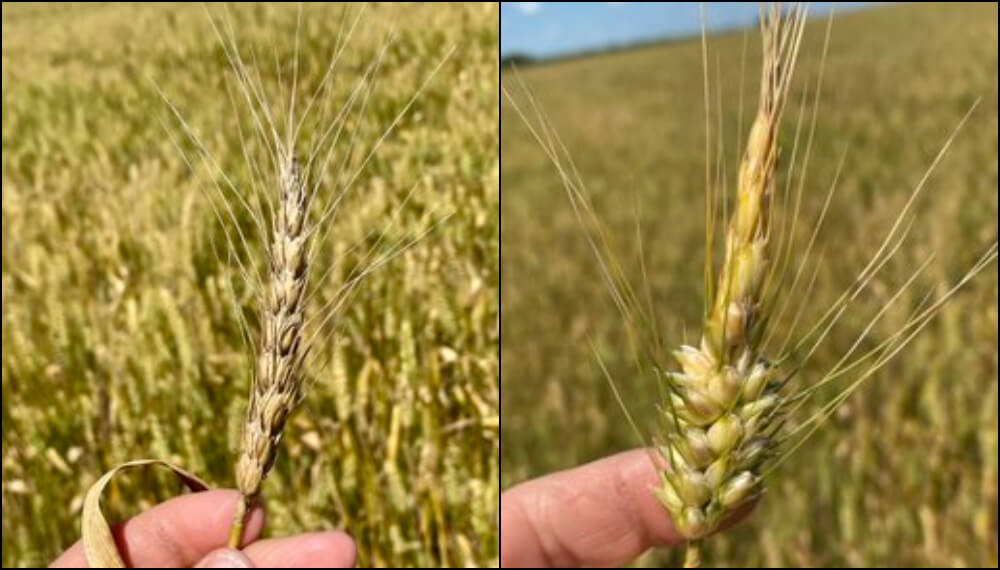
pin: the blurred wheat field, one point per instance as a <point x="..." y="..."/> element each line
<point x="905" y="474"/>
<point x="119" y="337"/>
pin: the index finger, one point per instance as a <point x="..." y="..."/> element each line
<point x="598" y="514"/>
<point x="175" y="533"/>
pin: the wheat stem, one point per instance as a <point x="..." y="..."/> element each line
<point x="239" y="519"/>
<point x="692" y="554"/>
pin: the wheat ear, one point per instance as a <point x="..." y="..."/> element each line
<point x="277" y="383"/>
<point x="721" y="414"/>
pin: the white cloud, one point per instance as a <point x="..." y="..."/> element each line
<point x="528" y="8"/>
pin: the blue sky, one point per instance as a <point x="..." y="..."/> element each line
<point x="545" y="29"/>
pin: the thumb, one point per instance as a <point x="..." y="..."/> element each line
<point x="225" y="558"/>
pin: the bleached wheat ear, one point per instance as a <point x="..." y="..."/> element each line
<point x="285" y="334"/>
<point x="720" y="416"/>
<point x="277" y="382"/>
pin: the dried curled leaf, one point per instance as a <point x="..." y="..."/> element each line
<point x="98" y="542"/>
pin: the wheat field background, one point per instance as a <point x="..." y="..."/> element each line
<point x="119" y="338"/>
<point x="906" y="472"/>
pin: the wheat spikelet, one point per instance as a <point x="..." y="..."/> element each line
<point x="277" y="385"/>
<point x="721" y="413"/>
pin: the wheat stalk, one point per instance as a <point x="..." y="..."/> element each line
<point x="282" y="344"/>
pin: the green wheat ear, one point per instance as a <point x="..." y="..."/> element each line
<point x="726" y="418"/>
<point x="724" y="405"/>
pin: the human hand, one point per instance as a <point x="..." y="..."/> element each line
<point x="189" y="530"/>
<point x="599" y="514"/>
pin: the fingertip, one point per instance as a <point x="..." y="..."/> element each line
<point x="599" y="514"/>
<point x="225" y="558"/>
<point x="330" y="549"/>
<point x="177" y="532"/>
<point x="340" y="543"/>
